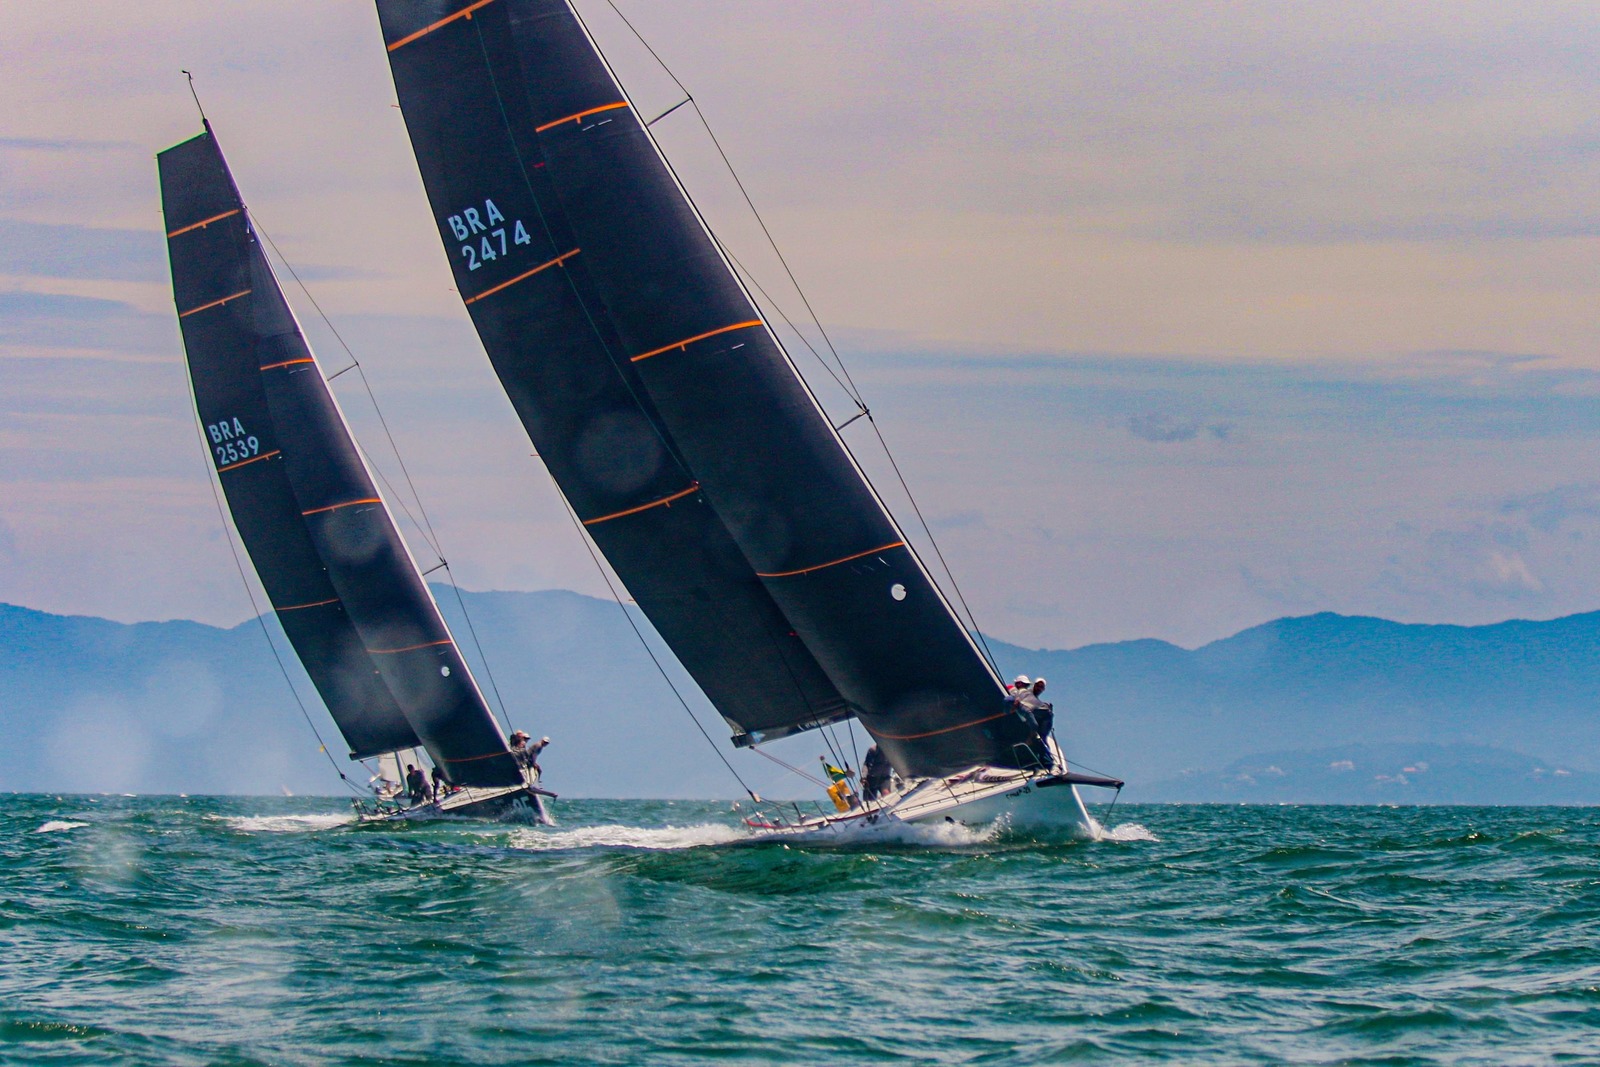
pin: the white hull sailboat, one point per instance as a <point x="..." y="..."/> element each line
<point x="686" y="442"/>
<point x="522" y="802"/>
<point x="339" y="577"/>
<point x="509" y="803"/>
<point x="1037" y="799"/>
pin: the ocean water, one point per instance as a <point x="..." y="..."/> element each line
<point x="204" y="930"/>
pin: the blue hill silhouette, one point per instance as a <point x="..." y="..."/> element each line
<point x="93" y="705"/>
<point x="1155" y="711"/>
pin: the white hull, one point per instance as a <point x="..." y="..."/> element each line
<point x="1024" y="805"/>
<point x="977" y="797"/>
<point x="513" y="803"/>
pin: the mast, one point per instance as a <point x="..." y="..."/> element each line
<point x="327" y="551"/>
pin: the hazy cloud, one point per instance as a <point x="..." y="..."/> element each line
<point x="1479" y="395"/>
<point x="1292" y="592"/>
<point x="1163" y="429"/>
<point x="1510" y="570"/>
<point x="969" y="519"/>
<point x="1166" y="429"/>
<point x="42" y="144"/>
<point x="1490" y="559"/>
<point x="73" y="251"/>
<point x="1547" y="511"/>
<point x="59" y="320"/>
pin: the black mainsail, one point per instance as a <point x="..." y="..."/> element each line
<point x="589" y="274"/>
<point x="333" y="565"/>
<point x="583" y="405"/>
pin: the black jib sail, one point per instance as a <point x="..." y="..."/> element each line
<point x="339" y="578"/>
<point x="514" y="114"/>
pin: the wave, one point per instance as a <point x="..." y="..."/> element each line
<point x="55" y="826"/>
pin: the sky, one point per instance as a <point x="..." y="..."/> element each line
<point x="1177" y="318"/>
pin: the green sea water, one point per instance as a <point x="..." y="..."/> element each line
<point x="170" y="930"/>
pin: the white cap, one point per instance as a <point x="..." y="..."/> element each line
<point x="1021" y="679"/>
<point x="544" y="740"/>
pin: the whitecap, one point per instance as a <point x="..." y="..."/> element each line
<point x="55" y="826"/>
<point x="1128" y="831"/>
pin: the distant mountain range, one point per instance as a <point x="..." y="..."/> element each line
<point x="1391" y="773"/>
<point x="1166" y="718"/>
<point x="1319" y="709"/>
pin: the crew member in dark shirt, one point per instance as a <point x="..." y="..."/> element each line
<point x="416" y="783"/>
<point x="875" y="771"/>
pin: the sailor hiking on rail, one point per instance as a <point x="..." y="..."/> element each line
<point x="527" y="752"/>
<point x="1025" y="696"/>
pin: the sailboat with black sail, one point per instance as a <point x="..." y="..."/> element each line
<point x="680" y="432"/>
<point x="340" y="579"/>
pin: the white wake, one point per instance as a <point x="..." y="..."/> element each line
<point x="661" y="838"/>
<point x="892" y="832"/>
<point x="286" y="824"/>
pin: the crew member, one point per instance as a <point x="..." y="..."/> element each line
<point x="416" y="783"/>
<point x="839" y="792"/>
<point x="1043" y="715"/>
<point x="875" y="772"/>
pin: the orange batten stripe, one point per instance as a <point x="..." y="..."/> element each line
<point x="687" y="341"/>
<point x="833" y="563"/>
<point x="469" y="759"/>
<point x="313" y="604"/>
<point x="346" y="504"/>
<point x="203" y="223"/>
<point x="645" y="507"/>
<point x="946" y="730"/>
<point x="580" y="116"/>
<point x="245" y="462"/>
<point x="287" y="363"/>
<point x="214" y="303"/>
<point x="528" y="274"/>
<point x="465" y="12"/>
<point x="408" y="648"/>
